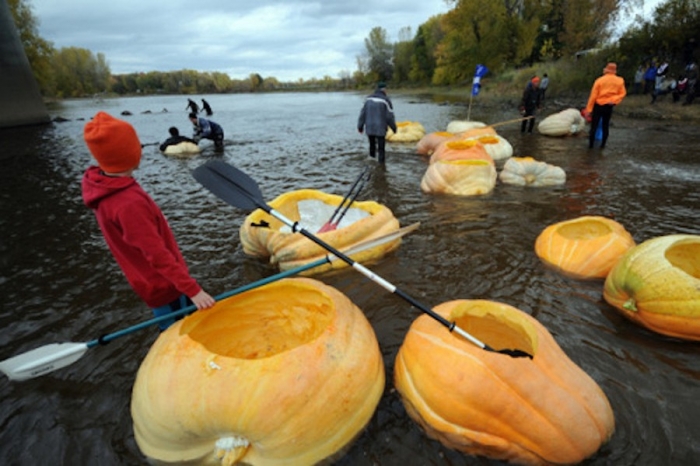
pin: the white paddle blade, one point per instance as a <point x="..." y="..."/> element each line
<point x="42" y="360"/>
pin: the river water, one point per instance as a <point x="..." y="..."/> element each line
<point x="60" y="284"/>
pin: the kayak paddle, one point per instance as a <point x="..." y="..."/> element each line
<point x="332" y="223"/>
<point x="239" y="190"/>
<point x="54" y="356"/>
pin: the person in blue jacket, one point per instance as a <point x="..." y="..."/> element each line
<point x="650" y="78"/>
<point x="376" y="116"/>
<point x="207" y="129"/>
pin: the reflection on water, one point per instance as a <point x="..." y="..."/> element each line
<point x="60" y="284"/>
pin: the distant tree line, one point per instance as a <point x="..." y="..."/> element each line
<point x="511" y="34"/>
<point x="501" y="34"/>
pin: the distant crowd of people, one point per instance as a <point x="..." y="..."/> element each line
<point x="610" y="89"/>
<point x="658" y="80"/>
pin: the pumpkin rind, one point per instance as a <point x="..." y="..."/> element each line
<point x="526" y="171"/>
<point x="657" y="285"/>
<point x="529" y="411"/>
<point x="430" y="141"/>
<point x="288" y="373"/>
<point x="289" y="250"/>
<point x="463" y="177"/>
<point x="585" y="247"/>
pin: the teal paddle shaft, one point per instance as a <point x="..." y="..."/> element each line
<point x="103" y="340"/>
<point x="51" y="357"/>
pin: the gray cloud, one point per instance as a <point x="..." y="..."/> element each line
<point x="288" y="40"/>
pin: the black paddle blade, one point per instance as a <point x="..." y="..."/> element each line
<point x="230" y="185"/>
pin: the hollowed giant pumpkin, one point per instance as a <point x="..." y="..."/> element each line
<point x="289" y="373"/>
<point x="526" y="171"/>
<point x="657" y="285"/>
<point x="262" y="235"/>
<point x="585" y="247"/>
<point x="406" y="131"/>
<point x="529" y="411"/>
<point x="564" y="123"/>
<point x="467" y="177"/>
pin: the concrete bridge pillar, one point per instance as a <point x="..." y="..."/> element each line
<point x="20" y="99"/>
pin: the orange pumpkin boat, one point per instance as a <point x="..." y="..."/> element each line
<point x="262" y="235"/>
<point x="544" y="410"/>
<point x="657" y="285"/>
<point x="462" y="177"/>
<point x="288" y="373"/>
<point x="585" y="247"/>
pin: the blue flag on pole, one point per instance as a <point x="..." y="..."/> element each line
<point x="481" y="71"/>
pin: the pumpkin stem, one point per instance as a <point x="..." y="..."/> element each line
<point x="630" y="305"/>
<point x="231" y="449"/>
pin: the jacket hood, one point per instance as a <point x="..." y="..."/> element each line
<point x="98" y="186"/>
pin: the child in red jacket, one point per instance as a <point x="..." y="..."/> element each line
<point x="137" y="233"/>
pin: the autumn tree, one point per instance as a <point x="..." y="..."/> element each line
<point x="38" y="50"/>
<point x="676" y="29"/>
<point x="491" y="33"/>
<point x="256" y="81"/>
<point x="586" y="23"/>
<point x="79" y="73"/>
<point x="379" y="52"/>
<point x="403" y="52"/>
<point x="672" y="34"/>
<point x="425" y="43"/>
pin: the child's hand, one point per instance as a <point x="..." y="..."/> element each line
<point x="203" y="300"/>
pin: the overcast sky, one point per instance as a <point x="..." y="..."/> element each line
<point x="285" y="39"/>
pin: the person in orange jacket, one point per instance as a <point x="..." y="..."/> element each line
<point x="607" y="91"/>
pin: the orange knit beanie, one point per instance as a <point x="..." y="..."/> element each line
<point x="113" y="143"/>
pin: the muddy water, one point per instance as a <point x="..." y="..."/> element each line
<point x="60" y="284"/>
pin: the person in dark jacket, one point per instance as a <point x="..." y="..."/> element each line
<point x="376" y="116"/>
<point x="134" y="228"/>
<point x="174" y="139"/>
<point x="207" y="108"/>
<point x="192" y="106"/>
<point x="207" y="129"/>
<point x="529" y="104"/>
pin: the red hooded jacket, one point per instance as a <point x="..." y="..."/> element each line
<point x="139" y="237"/>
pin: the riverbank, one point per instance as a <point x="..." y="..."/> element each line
<point x="633" y="106"/>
